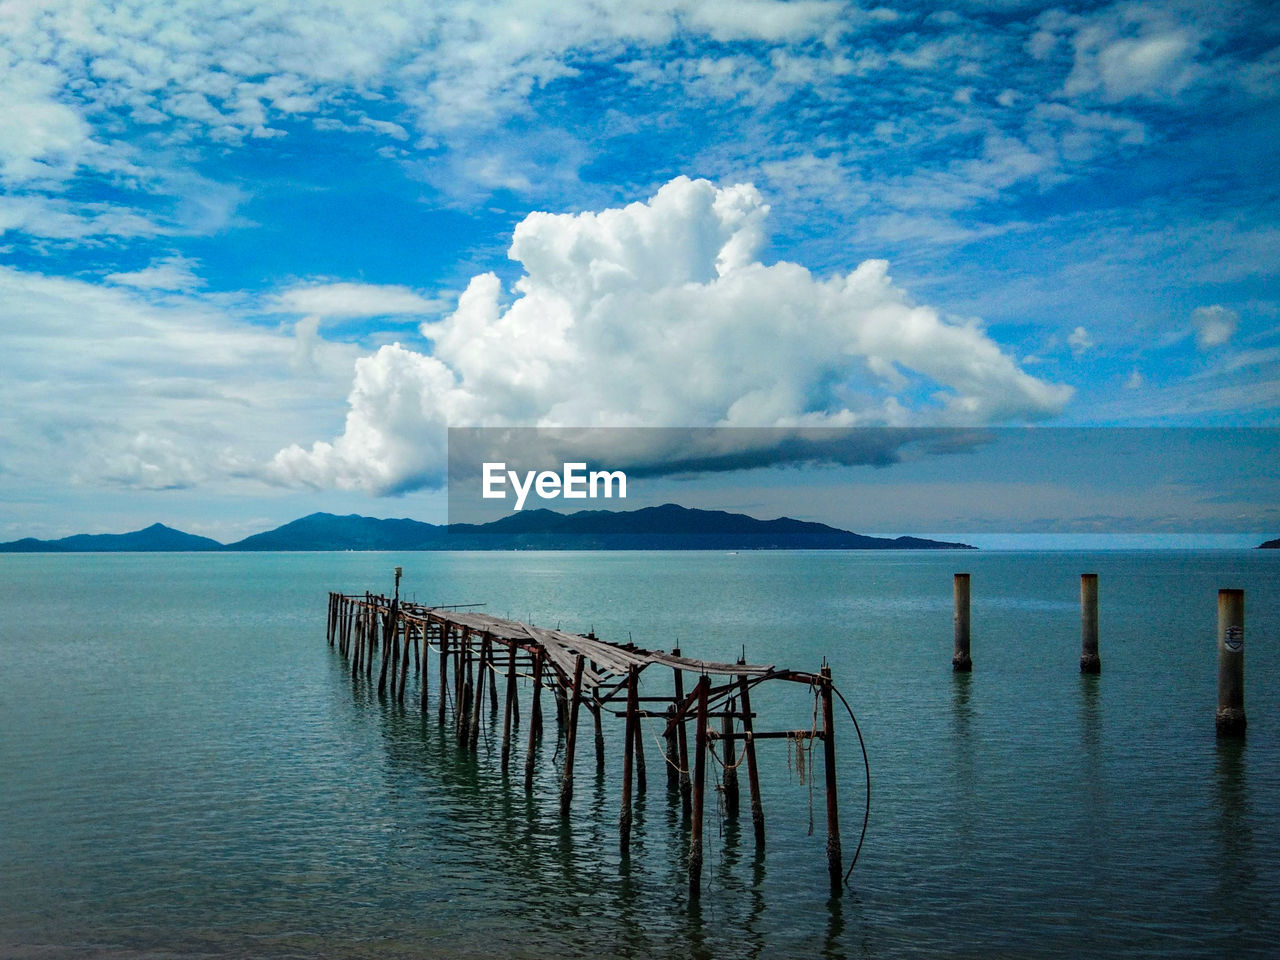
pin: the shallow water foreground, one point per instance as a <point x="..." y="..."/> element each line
<point x="187" y="769"/>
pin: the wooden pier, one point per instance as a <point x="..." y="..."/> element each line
<point x="474" y="650"/>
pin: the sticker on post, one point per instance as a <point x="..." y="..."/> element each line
<point x="1234" y="638"/>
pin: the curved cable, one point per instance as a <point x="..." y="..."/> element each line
<point x="866" y="763"/>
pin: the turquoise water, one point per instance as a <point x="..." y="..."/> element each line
<point x="187" y="769"/>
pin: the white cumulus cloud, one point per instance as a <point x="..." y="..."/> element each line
<point x="662" y="314"/>
<point x="1214" y="325"/>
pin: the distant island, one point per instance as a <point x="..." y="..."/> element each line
<point x="668" y="527"/>
<point x="1270" y="545"/>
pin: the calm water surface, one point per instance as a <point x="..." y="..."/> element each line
<point x="188" y="770"/>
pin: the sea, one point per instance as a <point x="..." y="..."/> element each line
<point x="188" y="769"/>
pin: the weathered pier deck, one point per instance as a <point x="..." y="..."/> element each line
<point x="474" y="650"/>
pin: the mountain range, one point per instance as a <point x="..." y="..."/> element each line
<point x="668" y="527"/>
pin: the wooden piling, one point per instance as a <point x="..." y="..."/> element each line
<point x="491" y="669"/>
<point x="1231" y="720"/>
<point x="1089" y="660"/>
<point x="731" y="798"/>
<point x="628" y="760"/>
<point x="596" y="712"/>
<point x="682" y="739"/>
<point x="642" y="780"/>
<point x="753" y="774"/>
<point x="673" y="753"/>
<point x="442" y="675"/>
<point x="535" y="716"/>
<point x="699" y="781"/>
<point x="473" y="741"/>
<point x="506" y="714"/>
<point x="835" y="862"/>
<point x="961" y="662"/>
<point x="422" y="670"/>
<point x="404" y="661"/>
<point x="465" y="666"/>
<point x="571" y="737"/>
<point x="386" y="656"/>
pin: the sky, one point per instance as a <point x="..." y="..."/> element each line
<point x="255" y="258"/>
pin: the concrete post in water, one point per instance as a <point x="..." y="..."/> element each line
<point x="961" y="662"/>
<point x="699" y="781"/>
<point x="1089" y="661"/>
<point x="571" y="737"/>
<point x="1231" y="718"/>
<point x="835" y="862"/>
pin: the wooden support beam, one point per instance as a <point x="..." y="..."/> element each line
<point x="402" y="628"/>
<point x="753" y="775"/>
<point x="387" y="628"/>
<point x="422" y="676"/>
<point x="534" y="722"/>
<point x="835" y="863"/>
<point x="473" y="740"/>
<point x="673" y="754"/>
<point x="596" y="711"/>
<point x="442" y="675"/>
<point x="491" y="670"/>
<point x="642" y="781"/>
<point x="506" y="715"/>
<point x="727" y="738"/>
<point x="628" y="759"/>
<point x="571" y="736"/>
<point x="699" y="782"/>
<point x="682" y="739"/>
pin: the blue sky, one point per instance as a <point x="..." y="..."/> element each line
<point x="255" y="259"/>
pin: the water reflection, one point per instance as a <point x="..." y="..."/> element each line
<point x="1236" y="868"/>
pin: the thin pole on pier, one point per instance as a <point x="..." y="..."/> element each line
<point x="628" y="761"/>
<point x="835" y="862"/>
<point x="566" y="783"/>
<point x="753" y="774"/>
<point x="961" y="662"/>
<point x="506" y="714"/>
<point x="534" y="720"/>
<point x="1089" y="660"/>
<point x="1231" y="720"/>
<point x="699" y="780"/>
<point x="682" y="738"/>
